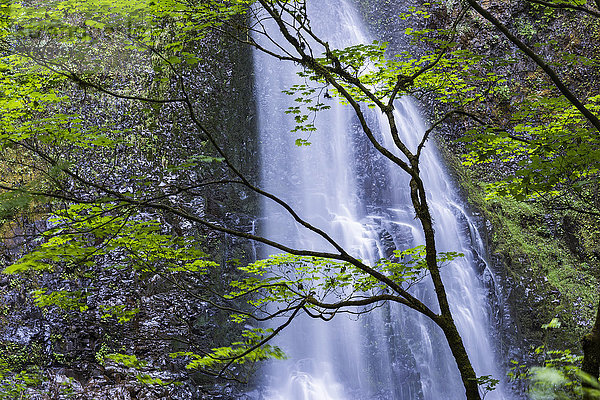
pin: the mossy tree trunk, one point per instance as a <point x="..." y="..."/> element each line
<point x="444" y="320"/>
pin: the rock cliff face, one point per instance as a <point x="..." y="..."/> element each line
<point x="139" y="312"/>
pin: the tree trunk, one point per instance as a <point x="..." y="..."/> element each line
<point x="445" y="320"/>
<point x="591" y="352"/>
<point x="467" y="373"/>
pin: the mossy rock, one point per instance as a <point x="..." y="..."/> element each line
<point x="550" y="274"/>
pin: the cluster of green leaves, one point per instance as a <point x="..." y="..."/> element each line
<point x="139" y="23"/>
<point x="287" y="278"/>
<point x="27" y="97"/>
<point x="550" y="144"/>
<point x="16" y="385"/>
<point x="16" y="356"/>
<point x="85" y="231"/>
<point x="247" y="351"/>
<point x="283" y="277"/>
<point x="454" y="77"/>
<point x="286" y="281"/>
<point x="31" y="99"/>
<point x="33" y="122"/>
<point x="525" y="235"/>
<point x="134" y="363"/>
<point x="84" y="234"/>
<point x="40" y="119"/>
<point x="30" y="103"/>
<point x="487" y="383"/>
<point x="119" y="312"/>
<point x="11" y="203"/>
<point x="411" y="263"/>
<point x="65" y="300"/>
<point x="557" y="375"/>
<point x="194" y="161"/>
<point x="20" y="369"/>
<point x="309" y="104"/>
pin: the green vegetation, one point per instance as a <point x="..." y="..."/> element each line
<point x="20" y="369"/>
<point x="532" y="173"/>
<point x="86" y="149"/>
<point x="531" y="241"/>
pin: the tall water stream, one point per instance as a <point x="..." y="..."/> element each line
<point x="340" y="184"/>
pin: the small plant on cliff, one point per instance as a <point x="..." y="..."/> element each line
<point x="558" y="374"/>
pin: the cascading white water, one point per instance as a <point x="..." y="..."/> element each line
<point x="341" y="185"/>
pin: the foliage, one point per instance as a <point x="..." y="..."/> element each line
<point x="535" y="250"/>
<point x="67" y="301"/>
<point x="549" y="143"/>
<point x="120" y="312"/>
<point x="487" y="383"/>
<point x="20" y="369"/>
<point x="249" y="351"/>
<point x="16" y="385"/>
<point x="546" y="144"/>
<point x="456" y="77"/>
<point x="131" y="362"/>
<point x="58" y="48"/>
<point x="56" y="127"/>
<point x="283" y="278"/>
<point x="557" y="376"/>
<point x="93" y="226"/>
<point x="83" y="232"/>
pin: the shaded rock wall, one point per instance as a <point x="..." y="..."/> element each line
<point x="67" y="348"/>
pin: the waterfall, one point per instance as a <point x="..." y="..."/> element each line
<point x="340" y="184"/>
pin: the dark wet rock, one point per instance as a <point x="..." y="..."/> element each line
<point x="70" y="346"/>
